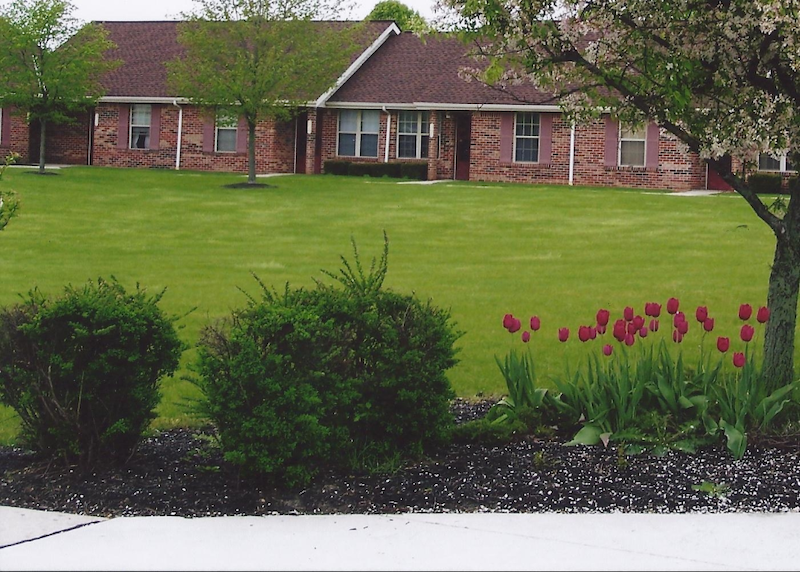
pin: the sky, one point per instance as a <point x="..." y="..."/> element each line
<point x="88" y="10"/>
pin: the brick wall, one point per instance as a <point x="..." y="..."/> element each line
<point x="15" y="134"/>
<point x="275" y="140"/>
<point x="67" y="143"/>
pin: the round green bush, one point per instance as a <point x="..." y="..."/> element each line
<point x="82" y="370"/>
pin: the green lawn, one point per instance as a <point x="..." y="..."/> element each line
<point x="479" y="249"/>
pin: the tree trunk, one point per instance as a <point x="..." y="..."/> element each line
<point x="42" y="134"/>
<point x="251" y="152"/>
<point x="782" y="297"/>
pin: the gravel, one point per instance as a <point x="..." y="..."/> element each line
<point x="181" y="472"/>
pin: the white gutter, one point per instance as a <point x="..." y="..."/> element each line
<point x="572" y="153"/>
<point x="415" y="106"/>
<point x="180" y="135"/>
<point x="388" y="134"/>
<point x="137" y="99"/>
<point x="354" y="67"/>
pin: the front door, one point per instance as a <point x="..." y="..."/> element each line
<point x="714" y="181"/>
<point x="463" y="140"/>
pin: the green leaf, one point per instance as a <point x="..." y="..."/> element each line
<point x="588" y="435"/>
<point x="736" y="439"/>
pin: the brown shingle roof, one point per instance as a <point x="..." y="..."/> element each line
<point x="145" y="47"/>
<point x="408" y="69"/>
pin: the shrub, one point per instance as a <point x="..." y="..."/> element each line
<point x="350" y="376"/>
<point x="416" y="171"/>
<point x="765" y="183"/>
<point x="82" y="370"/>
<point x="336" y="167"/>
<point x="374" y="170"/>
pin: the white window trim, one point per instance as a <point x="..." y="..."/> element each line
<point x="421" y="132"/>
<point x="537" y="137"/>
<point x="131" y="126"/>
<point x="217" y="129"/>
<point x="783" y="159"/>
<point x="358" y="133"/>
<point x="619" y="148"/>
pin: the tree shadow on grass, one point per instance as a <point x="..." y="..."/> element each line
<point x="249" y="186"/>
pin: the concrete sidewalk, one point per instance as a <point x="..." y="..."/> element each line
<point x="34" y="540"/>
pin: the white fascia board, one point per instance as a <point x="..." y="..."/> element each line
<point x="422" y="106"/>
<point x="354" y="67"/>
<point x="138" y="99"/>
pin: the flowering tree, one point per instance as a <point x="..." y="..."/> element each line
<point x="723" y="76"/>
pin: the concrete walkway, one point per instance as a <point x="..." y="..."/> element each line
<point x="34" y="540"/>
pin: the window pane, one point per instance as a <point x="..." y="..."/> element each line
<point x="226" y="119"/>
<point x="407" y="122"/>
<point x="423" y="152"/>
<point x="140" y="137"/>
<point x="348" y="122"/>
<point x="347" y="144"/>
<point x="226" y="140"/>
<point x="140" y="115"/>
<point x="631" y="153"/>
<point x="633" y="132"/>
<point x="768" y="163"/>
<point x="527" y="150"/>
<point x="527" y="125"/>
<point x="407" y="146"/>
<point x="369" y="145"/>
<point x="370" y="120"/>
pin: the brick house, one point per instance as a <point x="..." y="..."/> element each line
<point x="401" y="99"/>
<point x="14" y="134"/>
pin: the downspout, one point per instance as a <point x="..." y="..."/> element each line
<point x="388" y="134"/>
<point x="572" y="153"/>
<point x="180" y="135"/>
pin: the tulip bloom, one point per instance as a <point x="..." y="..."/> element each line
<point x="515" y="326"/>
<point x="631" y="328"/>
<point x="508" y="321"/>
<point x="652" y="309"/>
<point x="627" y="313"/>
<point x="701" y="314"/>
<point x="642" y="332"/>
<point x="679" y="317"/>
<point x="638" y="321"/>
<point x="654" y="325"/>
<point x="677" y="337"/>
<point x="563" y="334"/>
<point x="600" y="329"/>
<point x="526" y="336"/>
<point x="745" y="311"/>
<point x="672" y="305"/>
<point x="723" y="344"/>
<point x="747" y="332"/>
<point x="607" y="349"/>
<point x="536" y="323"/>
<point x="584" y="333"/>
<point x="738" y="359"/>
<point x="683" y="327"/>
<point x="629" y="340"/>
<point x="620" y="330"/>
<point x="603" y="317"/>
<point x="763" y="315"/>
<point x="592" y="333"/>
<point x="708" y="324"/>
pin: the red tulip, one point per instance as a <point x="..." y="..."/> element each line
<point x="677" y="337"/>
<point x="701" y="314"/>
<point x="708" y="324"/>
<point x="627" y="313"/>
<point x="738" y="359"/>
<point x="683" y="328"/>
<point x="631" y="328"/>
<point x="652" y="309"/>
<point x="638" y="321"/>
<point x="592" y="333"/>
<point x="654" y="325"/>
<point x="763" y="315"/>
<point x="603" y="317"/>
<point x="526" y="337"/>
<point x="723" y="344"/>
<point x="629" y="340"/>
<point x="563" y="334"/>
<point x="536" y="323"/>
<point x="620" y="329"/>
<point x="508" y="321"/>
<point x="642" y="332"/>
<point x="672" y="305"/>
<point x="600" y="330"/>
<point x="607" y="349"/>
<point x="584" y="333"/>
<point x="747" y="332"/>
<point x="679" y="317"/>
<point x="745" y="311"/>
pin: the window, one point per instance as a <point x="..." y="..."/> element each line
<point x="412" y="135"/>
<point x="358" y="133"/>
<point x="140" y="126"/>
<point x="226" y="128"/>
<point x="767" y="162"/>
<point x="526" y="138"/>
<point x="632" y="146"/>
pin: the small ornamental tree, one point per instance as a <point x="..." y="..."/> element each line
<point x="259" y="59"/>
<point x="50" y="64"/>
<point x="83" y="370"/>
<point x="722" y="77"/>
<point x="404" y="16"/>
